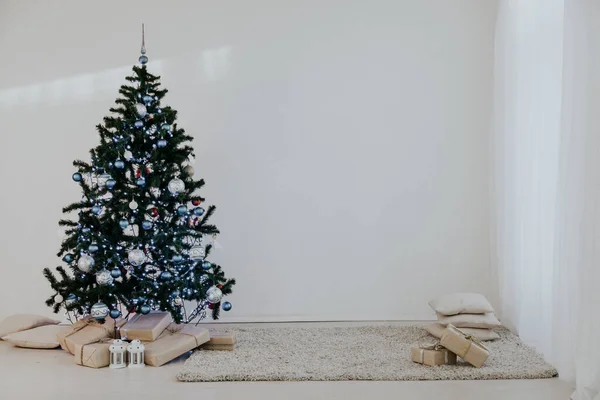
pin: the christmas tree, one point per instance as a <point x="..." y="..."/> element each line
<point x="138" y="243"/>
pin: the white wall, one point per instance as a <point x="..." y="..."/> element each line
<point x="345" y="143"/>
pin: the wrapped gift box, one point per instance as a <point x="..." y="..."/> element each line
<point x="87" y="331"/>
<point x="146" y="327"/>
<point x="228" y="347"/>
<point x="172" y="344"/>
<point x="221" y="338"/>
<point x="94" y="355"/>
<point x="467" y="347"/>
<point x="433" y="355"/>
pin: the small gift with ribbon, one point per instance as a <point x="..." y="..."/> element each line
<point x="173" y="342"/>
<point x="432" y="355"/>
<point x="467" y="347"/>
<point x="86" y="331"/>
<point x="94" y="355"/>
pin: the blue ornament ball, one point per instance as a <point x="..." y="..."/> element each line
<point x="138" y="124"/>
<point x="176" y="293"/>
<point x="161" y="143"/>
<point x="165" y="127"/>
<point x="198" y="211"/>
<point x="123" y="223"/>
<point x="206" y="265"/>
<point x="111" y="183"/>
<point x="85" y="230"/>
<point x="226" y="306"/>
<point x="145" y="309"/>
<point x="165" y="275"/>
<point x="141" y="182"/>
<point x="143" y="59"/>
<point x="115" y="273"/>
<point x="182" y="210"/>
<point x="77" y="177"/>
<point x="147" y="99"/>
<point x="114" y="314"/>
<point x="147" y="225"/>
<point x="120" y="164"/>
<point x="92" y="248"/>
<point x="177" y="258"/>
<point x="68" y="258"/>
<point x="96" y="210"/>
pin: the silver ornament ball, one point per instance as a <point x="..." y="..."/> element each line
<point x="136" y="257"/>
<point x="189" y="170"/>
<point x="85" y="263"/>
<point x="99" y="311"/>
<point x="141" y="110"/>
<point x="104" y="278"/>
<point x="176" y="186"/>
<point x="214" y="295"/>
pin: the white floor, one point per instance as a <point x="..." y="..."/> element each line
<point x="52" y="374"/>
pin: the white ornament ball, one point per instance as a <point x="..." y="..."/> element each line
<point x="214" y="295"/>
<point x="133" y="205"/>
<point x="189" y="170"/>
<point x="141" y="110"/>
<point x="128" y="155"/>
<point x="104" y="277"/>
<point x="197" y="253"/>
<point x="85" y="263"/>
<point x="99" y="311"/>
<point x="178" y="301"/>
<point x="58" y="299"/>
<point x="136" y="257"/>
<point x="176" y="186"/>
<point x="152" y="272"/>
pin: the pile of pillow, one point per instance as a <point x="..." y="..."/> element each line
<point x="469" y="312"/>
<point x="31" y="331"/>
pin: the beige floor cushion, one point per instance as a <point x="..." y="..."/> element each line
<point x="482" y="334"/>
<point x="487" y="320"/>
<point x="22" y="322"/>
<point x="42" y="337"/>
<point x="457" y="303"/>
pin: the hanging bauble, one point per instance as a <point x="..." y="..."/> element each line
<point x="58" y="299"/>
<point x="165" y="275"/>
<point x="177" y="258"/>
<point x="85" y="263"/>
<point x="154" y="212"/>
<point x="141" y="110"/>
<point x="226" y="306"/>
<point x="96" y="210"/>
<point x="123" y="223"/>
<point x="148" y="99"/>
<point x="110" y="183"/>
<point x="136" y="257"/>
<point x="133" y="205"/>
<point x="115" y="273"/>
<point x="165" y="127"/>
<point x="104" y="277"/>
<point x="178" y="301"/>
<point x="182" y="210"/>
<point x="120" y="164"/>
<point x="189" y="170"/>
<point x="146" y="225"/>
<point x="70" y="299"/>
<point x="77" y="177"/>
<point x="141" y="182"/>
<point x="143" y="59"/>
<point x="152" y="272"/>
<point x="114" y="313"/>
<point x="161" y="143"/>
<point x="68" y="258"/>
<point x="127" y="155"/>
<point x="197" y="253"/>
<point x="196" y="202"/>
<point x="102" y="179"/>
<point x="176" y="186"/>
<point x="145" y="309"/>
<point x="99" y="311"/>
<point x="206" y="265"/>
<point x="138" y="124"/>
<point x="198" y="211"/>
<point x="214" y="294"/>
<point x="92" y="248"/>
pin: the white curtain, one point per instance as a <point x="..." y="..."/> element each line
<point x="546" y="181"/>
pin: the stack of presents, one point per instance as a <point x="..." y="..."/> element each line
<point x="91" y="342"/>
<point x="465" y="321"/>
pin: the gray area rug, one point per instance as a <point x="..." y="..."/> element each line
<point x="377" y="353"/>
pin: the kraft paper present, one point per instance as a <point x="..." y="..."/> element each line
<point x="467" y="347"/>
<point x="221" y="338"/>
<point x="228" y="347"/>
<point x="146" y="327"/>
<point x="433" y="355"/>
<point x="87" y="331"/>
<point x="171" y="345"/>
<point x="95" y="355"/>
